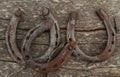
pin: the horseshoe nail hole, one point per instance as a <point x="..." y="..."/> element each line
<point x="27" y="37"/>
<point x="56" y="43"/>
<point x="62" y="60"/>
<point x="70" y="39"/>
<point x="78" y="54"/>
<point x="44" y="69"/>
<point x="31" y="32"/>
<point x="27" y="57"/>
<point x="55" y="65"/>
<point x="73" y="48"/>
<point x="56" y="35"/>
<point x="112" y="42"/>
<point x="18" y="58"/>
<point x="12" y="52"/>
<point x="23" y="48"/>
<point x="109" y="50"/>
<point x="112" y="34"/>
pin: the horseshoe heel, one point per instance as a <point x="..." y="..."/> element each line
<point x="107" y="52"/>
<point x="11" y="38"/>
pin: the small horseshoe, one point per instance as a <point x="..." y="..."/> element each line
<point x="11" y="38"/>
<point x="107" y="52"/>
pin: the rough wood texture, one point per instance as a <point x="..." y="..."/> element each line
<point x="90" y="34"/>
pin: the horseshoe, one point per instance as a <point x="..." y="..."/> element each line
<point x="109" y="49"/>
<point x="62" y="55"/>
<point x="11" y="38"/>
<point x="47" y="24"/>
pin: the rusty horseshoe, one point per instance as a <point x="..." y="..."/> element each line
<point x="109" y="49"/>
<point x="47" y="24"/>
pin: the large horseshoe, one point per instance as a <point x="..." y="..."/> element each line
<point x="47" y="24"/>
<point x="109" y="49"/>
<point x="11" y="38"/>
<point x="62" y="55"/>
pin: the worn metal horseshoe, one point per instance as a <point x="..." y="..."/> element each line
<point x="47" y="24"/>
<point x="52" y="64"/>
<point x="11" y="38"/>
<point x="109" y="49"/>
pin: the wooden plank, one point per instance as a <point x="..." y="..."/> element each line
<point x="90" y="35"/>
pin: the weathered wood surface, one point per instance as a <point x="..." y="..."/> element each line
<point x="90" y="34"/>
